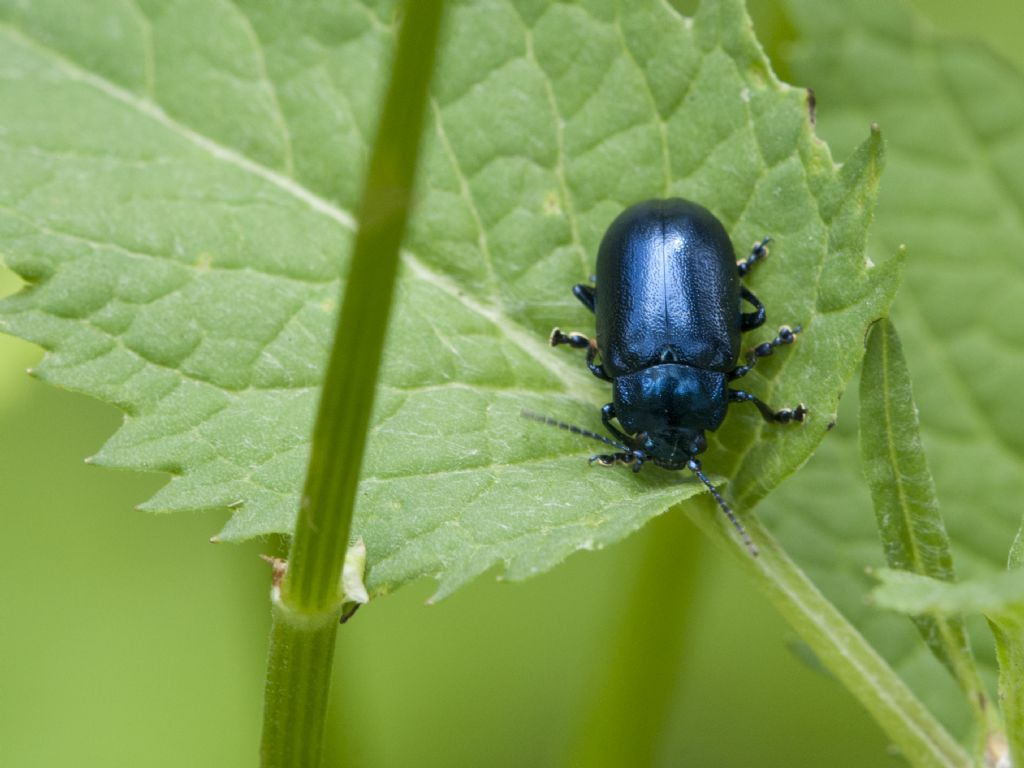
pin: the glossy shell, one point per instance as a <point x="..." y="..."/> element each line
<point x="667" y="290"/>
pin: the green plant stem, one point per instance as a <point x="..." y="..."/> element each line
<point x="1009" y="638"/>
<point x="631" y="709"/>
<point x="308" y="602"/>
<point x="296" y="691"/>
<point x="839" y="646"/>
<point x="321" y="532"/>
<point x="1008" y="631"/>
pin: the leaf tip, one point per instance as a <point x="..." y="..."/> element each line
<point x="864" y="165"/>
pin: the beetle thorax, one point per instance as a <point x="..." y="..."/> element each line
<point x="668" y="407"/>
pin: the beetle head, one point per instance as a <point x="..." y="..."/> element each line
<point x="672" y="448"/>
<point x="637" y="452"/>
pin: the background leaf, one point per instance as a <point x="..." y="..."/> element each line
<point x="953" y="114"/>
<point x="179" y="203"/>
<point x="906" y="509"/>
<point x="996" y="595"/>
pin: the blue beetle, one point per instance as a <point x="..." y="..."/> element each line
<point x="668" y="301"/>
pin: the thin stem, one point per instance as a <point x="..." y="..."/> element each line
<point x="307" y="603"/>
<point x="632" y="707"/>
<point x="298" y="682"/>
<point x="321" y="533"/>
<point x="839" y="646"/>
<point x="1009" y="637"/>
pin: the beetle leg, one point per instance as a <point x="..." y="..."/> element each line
<point x="611" y="459"/>
<point x="586" y="295"/>
<point x="757" y="253"/>
<point x="596" y="368"/>
<point x="574" y="340"/>
<point x="783" y="416"/>
<point x="751" y="320"/>
<point x="786" y="335"/>
<point x="579" y="341"/>
<point x="607" y="414"/>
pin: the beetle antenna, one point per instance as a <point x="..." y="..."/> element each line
<point x="574" y="429"/>
<point x="695" y="467"/>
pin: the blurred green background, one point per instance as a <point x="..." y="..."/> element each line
<point x="128" y="640"/>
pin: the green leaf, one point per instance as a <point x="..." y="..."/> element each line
<point x="15" y="353"/>
<point x="906" y="509"/>
<point x="1016" y="558"/>
<point x="895" y="466"/>
<point x="953" y="116"/>
<point x="180" y="203"/>
<point x="999" y="596"/>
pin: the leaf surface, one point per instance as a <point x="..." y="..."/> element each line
<point x="180" y="205"/>
<point x="999" y="596"/>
